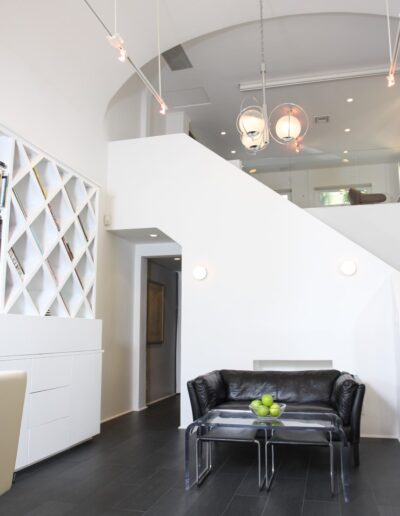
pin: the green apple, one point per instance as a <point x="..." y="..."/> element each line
<point x="267" y="400"/>
<point x="262" y="411"/>
<point x="275" y="405"/>
<point x="275" y="410"/>
<point x="255" y="403"/>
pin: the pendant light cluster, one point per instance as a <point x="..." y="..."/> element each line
<point x="287" y="124"/>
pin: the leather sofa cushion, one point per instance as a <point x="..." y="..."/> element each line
<point x="343" y="396"/>
<point x="284" y="386"/>
<point x="210" y="390"/>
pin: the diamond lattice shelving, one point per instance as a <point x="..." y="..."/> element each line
<point x="48" y="235"/>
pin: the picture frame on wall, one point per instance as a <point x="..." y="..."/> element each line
<point x="155" y="312"/>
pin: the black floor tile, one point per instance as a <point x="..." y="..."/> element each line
<point x="314" y="508"/>
<point x="246" y="506"/>
<point x="286" y="497"/>
<point x="135" y="468"/>
<point x="216" y="494"/>
<point x="387" y="510"/>
<point x="51" y="509"/>
<point x="175" y="502"/>
<point x="145" y="495"/>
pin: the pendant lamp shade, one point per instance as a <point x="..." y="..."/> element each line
<point x="288" y="123"/>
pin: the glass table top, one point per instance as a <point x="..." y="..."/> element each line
<point x="292" y="420"/>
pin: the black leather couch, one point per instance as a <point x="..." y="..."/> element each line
<point x="302" y="391"/>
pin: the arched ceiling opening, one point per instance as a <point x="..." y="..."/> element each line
<point x="64" y="43"/>
<point x="302" y="45"/>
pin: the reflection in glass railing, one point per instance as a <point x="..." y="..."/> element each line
<point x="317" y="179"/>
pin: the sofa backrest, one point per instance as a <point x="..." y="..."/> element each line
<point x="284" y="386"/>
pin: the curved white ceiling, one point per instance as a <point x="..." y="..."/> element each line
<point x="67" y="47"/>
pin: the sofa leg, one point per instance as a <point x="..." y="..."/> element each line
<point x="356" y="454"/>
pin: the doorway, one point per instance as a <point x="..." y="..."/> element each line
<point x="162" y="328"/>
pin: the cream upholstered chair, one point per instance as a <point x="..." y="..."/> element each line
<point x="12" y="395"/>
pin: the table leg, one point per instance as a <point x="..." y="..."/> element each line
<point x="269" y="479"/>
<point x="188" y="433"/>
<point x="344" y="459"/>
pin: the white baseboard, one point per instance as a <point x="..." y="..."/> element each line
<point x="379" y="436"/>
<point x="161" y="399"/>
<point x="122" y="414"/>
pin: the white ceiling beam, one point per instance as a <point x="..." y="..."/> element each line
<point x="313" y="79"/>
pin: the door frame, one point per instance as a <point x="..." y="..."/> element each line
<point x="141" y="255"/>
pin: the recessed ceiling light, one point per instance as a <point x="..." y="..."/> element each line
<point x="347" y="130"/>
<point x="153" y="235"/>
<point x="345" y="160"/>
<point x="233" y="152"/>
<point x="177" y="259"/>
<point x="252" y="171"/>
<point x="223" y="133"/>
<point x="350" y="100"/>
<point x="345" y="152"/>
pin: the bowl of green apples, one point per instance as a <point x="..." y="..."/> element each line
<point x="266" y="409"/>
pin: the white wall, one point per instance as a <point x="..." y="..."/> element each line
<point x="304" y="184"/>
<point x="375" y="227"/>
<point x="273" y="289"/>
<point x="39" y="112"/>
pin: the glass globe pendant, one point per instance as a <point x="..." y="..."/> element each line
<point x="256" y="144"/>
<point x="288" y="128"/>
<point x="251" y="122"/>
<point x="288" y="123"/>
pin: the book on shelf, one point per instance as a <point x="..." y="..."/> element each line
<point x="54" y="218"/>
<point x="21" y="206"/>
<point x="83" y="229"/>
<point x="16" y="262"/>
<point x="68" y="249"/>
<point x="4" y="183"/>
<point x="37" y="175"/>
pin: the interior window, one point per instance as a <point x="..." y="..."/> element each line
<point x="339" y="196"/>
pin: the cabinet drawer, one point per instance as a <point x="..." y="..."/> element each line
<point x="50" y="373"/>
<point x="49" y="439"/>
<point x="47" y="406"/>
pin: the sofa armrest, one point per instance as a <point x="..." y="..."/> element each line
<point x="343" y="394"/>
<point x="206" y="392"/>
<point x="194" y="402"/>
<point x="355" y="421"/>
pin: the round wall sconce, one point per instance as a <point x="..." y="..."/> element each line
<point x="200" y="273"/>
<point x="348" y="267"/>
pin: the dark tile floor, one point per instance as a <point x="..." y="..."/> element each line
<point x="136" y="468"/>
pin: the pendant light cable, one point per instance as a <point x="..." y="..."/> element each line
<point x="115" y="17"/>
<point x="159" y="49"/>
<point x="142" y="76"/>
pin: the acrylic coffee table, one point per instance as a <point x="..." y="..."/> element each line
<point x="301" y="426"/>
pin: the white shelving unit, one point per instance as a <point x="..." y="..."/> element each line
<point x="48" y="268"/>
<point x="48" y="235"/>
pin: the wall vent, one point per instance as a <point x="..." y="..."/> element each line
<point x="177" y="59"/>
<point x="325" y="119"/>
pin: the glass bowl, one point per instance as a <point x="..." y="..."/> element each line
<point x="269" y="418"/>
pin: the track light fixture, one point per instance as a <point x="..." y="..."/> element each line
<point x="393" y="50"/>
<point x="117" y="42"/>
